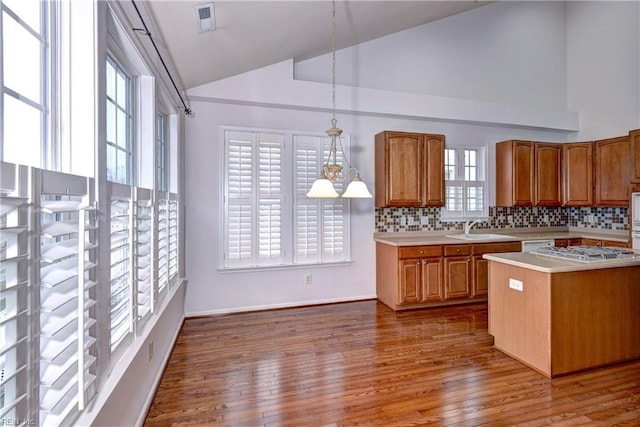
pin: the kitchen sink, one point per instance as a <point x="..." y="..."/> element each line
<point x="481" y="236"/>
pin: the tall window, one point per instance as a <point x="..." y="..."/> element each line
<point x="464" y="170"/>
<point x="162" y="149"/>
<point x="119" y="123"/>
<point x="269" y="221"/>
<point x="24" y="81"/>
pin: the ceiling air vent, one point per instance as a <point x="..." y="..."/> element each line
<point x="205" y="18"/>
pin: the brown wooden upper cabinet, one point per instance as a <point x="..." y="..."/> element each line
<point x="547" y="175"/>
<point x="409" y="169"/>
<point x="612" y="170"/>
<point x="528" y="173"/>
<point x="577" y="159"/>
<point x="514" y="173"/>
<point x="634" y="140"/>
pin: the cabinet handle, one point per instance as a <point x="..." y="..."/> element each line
<point x="421" y="252"/>
<point x="457" y="251"/>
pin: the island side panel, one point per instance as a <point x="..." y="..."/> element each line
<point x="595" y="318"/>
<point x="520" y="321"/>
<point x="387" y="283"/>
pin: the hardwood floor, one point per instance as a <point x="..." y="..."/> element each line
<point x="361" y="364"/>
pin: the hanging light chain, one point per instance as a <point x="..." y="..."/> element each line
<point x="333" y="61"/>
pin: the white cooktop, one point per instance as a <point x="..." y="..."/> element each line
<point x="585" y="253"/>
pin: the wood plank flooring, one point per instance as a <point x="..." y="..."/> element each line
<point x="361" y="364"/>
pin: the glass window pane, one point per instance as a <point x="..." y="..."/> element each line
<point x="122" y="123"/>
<point x="111" y="122"/>
<point x="21" y="60"/>
<point x="27" y="10"/>
<point x="111" y="81"/>
<point x="111" y="162"/>
<point x="22" y="133"/>
<point x="122" y="89"/>
<point x="122" y="168"/>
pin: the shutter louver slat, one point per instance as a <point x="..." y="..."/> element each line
<point x="14" y="292"/>
<point x="67" y="298"/>
<point x="144" y="253"/>
<point x="122" y="212"/>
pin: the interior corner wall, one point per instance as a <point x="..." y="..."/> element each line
<point x="505" y="52"/>
<point x="603" y="67"/>
<point x="212" y="291"/>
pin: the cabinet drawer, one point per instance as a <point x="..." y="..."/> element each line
<point x="487" y="248"/>
<point x="457" y="250"/>
<point x="405" y="252"/>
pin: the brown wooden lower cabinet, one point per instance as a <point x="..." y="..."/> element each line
<point x="595" y="242"/>
<point x="422" y="276"/>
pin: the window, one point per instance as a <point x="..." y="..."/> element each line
<point x="464" y="180"/>
<point x="119" y="123"/>
<point x="259" y="202"/>
<point x="24" y="81"/>
<point x="162" y="149"/>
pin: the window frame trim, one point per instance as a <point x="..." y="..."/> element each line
<point x="288" y="204"/>
<point x="460" y="172"/>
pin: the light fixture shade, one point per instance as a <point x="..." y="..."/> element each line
<point x="357" y="189"/>
<point x="322" y="188"/>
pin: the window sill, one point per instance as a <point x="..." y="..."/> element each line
<point x="231" y="270"/>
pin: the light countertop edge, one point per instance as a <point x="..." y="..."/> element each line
<point x="548" y="264"/>
<point x="417" y="238"/>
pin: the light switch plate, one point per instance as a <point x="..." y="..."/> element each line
<point x="516" y="284"/>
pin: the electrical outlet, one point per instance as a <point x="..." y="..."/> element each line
<point x="150" y="350"/>
<point x="516" y="284"/>
<point x="424" y="220"/>
<point x="308" y="279"/>
<point x="510" y="218"/>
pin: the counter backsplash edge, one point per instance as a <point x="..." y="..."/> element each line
<point x="504" y="218"/>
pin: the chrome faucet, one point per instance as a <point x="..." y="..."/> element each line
<point x="470" y="223"/>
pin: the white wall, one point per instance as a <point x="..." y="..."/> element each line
<point x="475" y="103"/>
<point x="212" y="291"/>
<point x="604" y="67"/>
<point x="125" y="396"/>
<point x="496" y="53"/>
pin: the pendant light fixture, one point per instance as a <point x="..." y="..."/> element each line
<point x="331" y="170"/>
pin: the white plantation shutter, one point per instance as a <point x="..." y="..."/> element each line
<point x="320" y="224"/>
<point x="173" y="238"/>
<point x="143" y="255"/>
<point x="162" y="255"/>
<point x="266" y="178"/>
<point x="254" y="199"/>
<point x="121" y="223"/>
<point x="68" y="242"/>
<point x="464" y="184"/>
<point x="14" y="292"/>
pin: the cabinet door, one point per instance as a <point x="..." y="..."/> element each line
<point x="434" y="169"/>
<point x="591" y="242"/>
<point x="612" y="172"/>
<point x="634" y="137"/>
<point x="577" y="161"/>
<point x="404" y="172"/>
<point x="514" y="173"/>
<point x="457" y="277"/>
<point x="410" y="281"/>
<point x="548" y="177"/>
<point x="523" y="173"/>
<point x="480" y="276"/>
<point x="432" y="286"/>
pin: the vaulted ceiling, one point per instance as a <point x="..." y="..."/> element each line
<point x="254" y="34"/>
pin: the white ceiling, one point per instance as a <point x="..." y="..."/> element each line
<point x="254" y="34"/>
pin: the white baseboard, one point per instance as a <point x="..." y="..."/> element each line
<point x="276" y="306"/>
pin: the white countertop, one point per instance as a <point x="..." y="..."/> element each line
<point x="549" y="264"/>
<point x="419" y="238"/>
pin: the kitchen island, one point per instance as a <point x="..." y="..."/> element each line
<point x="560" y="316"/>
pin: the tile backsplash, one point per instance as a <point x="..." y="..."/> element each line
<point x="429" y="219"/>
